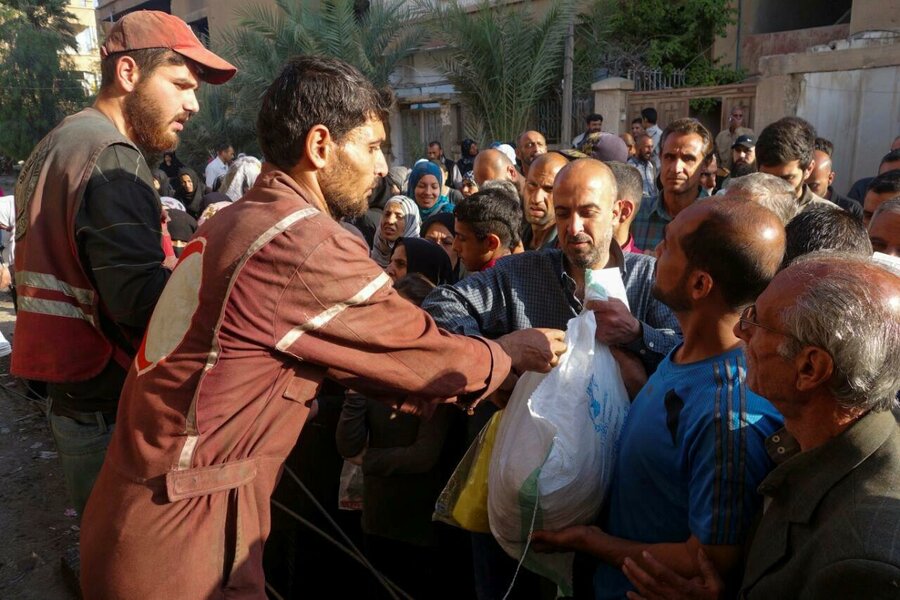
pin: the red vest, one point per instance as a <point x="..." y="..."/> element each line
<point x="58" y="335"/>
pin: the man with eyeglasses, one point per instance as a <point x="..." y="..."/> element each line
<point x="832" y="503"/>
<point x="728" y="136"/>
<point x="692" y="450"/>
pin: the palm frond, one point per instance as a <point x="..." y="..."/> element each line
<point x="501" y="60"/>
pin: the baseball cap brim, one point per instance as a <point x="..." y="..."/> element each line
<point x="216" y="70"/>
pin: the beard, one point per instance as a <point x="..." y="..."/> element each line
<point x="676" y="298"/>
<point x="593" y="257"/>
<point x="150" y="127"/>
<point x="340" y="188"/>
<point x="740" y="169"/>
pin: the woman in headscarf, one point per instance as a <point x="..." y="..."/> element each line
<point x="189" y="190"/>
<point x="400" y="218"/>
<point x="441" y="229"/>
<point x="425" y="182"/>
<point x="469" y="186"/>
<point x="414" y="255"/>
<point x="162" y="184"/>
<point x="469" y="151"/>
<point x="170" y="165"/>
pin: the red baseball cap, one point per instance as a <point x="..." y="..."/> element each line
<point x="154" y="29"/>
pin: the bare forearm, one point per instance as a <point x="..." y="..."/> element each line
<point x="680" y="557"/>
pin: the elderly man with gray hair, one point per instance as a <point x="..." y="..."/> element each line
<point x="884" y="228"/>
<point x="772" y="192"/>
<point x="821" y="344"/>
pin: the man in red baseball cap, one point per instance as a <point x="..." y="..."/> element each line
<point x="89" y="256"/>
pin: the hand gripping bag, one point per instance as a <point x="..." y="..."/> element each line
<point x="555" y="448"/>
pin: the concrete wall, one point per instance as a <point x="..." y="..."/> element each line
<point x="859" y="111"/>
<point x="851" y="95"/>
<point x="875" y="15"/>
<point x="754" y="47"/>
<point x="611" y="99"/>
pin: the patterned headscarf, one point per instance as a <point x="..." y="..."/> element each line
<point x="382" y="248"/>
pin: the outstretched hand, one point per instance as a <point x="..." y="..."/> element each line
<point x="655" y="581"/>
<point x="534" y="349"/>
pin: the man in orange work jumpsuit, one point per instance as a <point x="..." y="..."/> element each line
<point x="270" y="297"/>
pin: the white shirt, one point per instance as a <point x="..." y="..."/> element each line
<point x="215" y="169"/>
<point x="8" y="225"/>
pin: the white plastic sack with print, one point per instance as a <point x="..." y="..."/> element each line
<point x="555" y="448"/>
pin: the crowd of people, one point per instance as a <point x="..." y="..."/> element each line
<point x="321" y="310"/>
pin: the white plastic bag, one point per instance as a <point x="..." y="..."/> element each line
<point x="555" y="448"/>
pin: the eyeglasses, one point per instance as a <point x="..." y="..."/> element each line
<point x="748" y="318"/>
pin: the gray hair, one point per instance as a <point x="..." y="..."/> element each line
<point x="843" y="311"/>
<point x="891" y="206"/>
<point x="507" y="186"/>
<point x="772" y="192"/>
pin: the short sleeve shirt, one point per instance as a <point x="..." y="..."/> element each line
<point x="691" y="456"/>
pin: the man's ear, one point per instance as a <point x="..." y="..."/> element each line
<point x="319" y="146"/>
<point x="831" y="178"/>
<point x="128" y="74"/>
<point x="626" y="209"/>
<point x="701" y="284"/>
<point x="809" y="170"/>
<point x="814" y="368"/>
<point x="493" y="242"/>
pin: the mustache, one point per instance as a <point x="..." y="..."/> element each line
<point x="580" y="238"/>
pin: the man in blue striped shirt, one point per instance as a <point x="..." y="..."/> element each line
<point x="692" y="451"/>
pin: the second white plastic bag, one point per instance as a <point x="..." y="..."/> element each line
<point x="554" y="453"/>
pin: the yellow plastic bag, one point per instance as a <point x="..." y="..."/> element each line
<point x="463" y="502"/>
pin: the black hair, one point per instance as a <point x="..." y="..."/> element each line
<point x="826" y="146"/>
<point x="637" y="120"/>
<point x="492" y="211"/>
<point x="146" y="59"/>
<point x="887" y="182"/>
<point x="593" y="117"/>
<point x="892" y="156"/>
<point x="790" y="138"/>
<point x="649" y="113"/>
<point x="223" y="146"/>
<point x="315" y="90"/>
<point x="688" y="126"/>
<point x="740" y="268"/>
<point x="825" y="227"/>
<point x="436" y="143"/>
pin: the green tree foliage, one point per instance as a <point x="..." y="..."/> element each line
<point x="37" y="84"/>
<point x="501" y="60"/>
<point x="667" y="34"/>
<point x="373" y="36"/>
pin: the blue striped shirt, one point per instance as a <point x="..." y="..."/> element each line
<point x="691" y="456"/>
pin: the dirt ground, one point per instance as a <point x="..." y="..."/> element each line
<point x="37" y="522"/>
